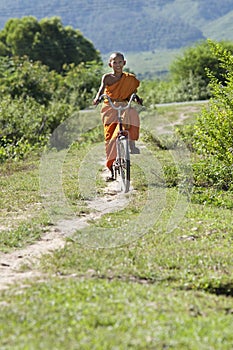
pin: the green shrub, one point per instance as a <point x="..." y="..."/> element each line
<point x="21" y="77"/>
<point x="25" y="125"/>
<point x="80" y="84"/>
<point x="190" y="89"/>
<point x="35" y="101"/>
<point x="214" y="129"/>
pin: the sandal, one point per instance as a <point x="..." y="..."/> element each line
<point x="110" y="178"/>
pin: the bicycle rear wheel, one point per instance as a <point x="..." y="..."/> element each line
<point x="124" y="163"/>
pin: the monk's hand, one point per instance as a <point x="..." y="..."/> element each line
<point x="96" y="101"/>
<point x="139" y="100"/>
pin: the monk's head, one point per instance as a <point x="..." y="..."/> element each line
<point x="116" y="57"/>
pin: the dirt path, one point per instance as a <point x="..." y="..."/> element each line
<point x="12" y="265"/>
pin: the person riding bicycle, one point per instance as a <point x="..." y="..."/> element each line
<point x="119" y="86"/>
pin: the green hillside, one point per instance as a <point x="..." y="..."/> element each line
<point x="134" y="25"/>
<point x="150" y="32"/>
<point x="221" y="28"/>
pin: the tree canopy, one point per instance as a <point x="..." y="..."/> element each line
<point x="196" y="60"/>
<point x="47" y="41"/>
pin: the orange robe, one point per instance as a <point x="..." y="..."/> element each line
<point x="120" y="91"/>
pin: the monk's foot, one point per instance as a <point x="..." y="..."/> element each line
<point x="110" y="179"/>
<point x="134" y="150"/>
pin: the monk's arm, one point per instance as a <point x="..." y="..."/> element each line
<point x="100" y="91"/>
<point x="138" y="99"/>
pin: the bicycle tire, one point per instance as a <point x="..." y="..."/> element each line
<point x="124" y="163"/>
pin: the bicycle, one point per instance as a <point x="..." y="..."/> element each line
<point x="121" y="165"/>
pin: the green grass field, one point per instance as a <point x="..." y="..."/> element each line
<point x="158" y="290"/>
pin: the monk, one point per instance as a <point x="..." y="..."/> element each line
<point x="119" y="86"/>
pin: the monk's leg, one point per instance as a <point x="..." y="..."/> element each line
<point x="109" y="119"/>
<point x="110" y="144"/>
<point x="134" y="130"/>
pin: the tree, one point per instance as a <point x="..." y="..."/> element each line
<point x="194" y="62"/>
<point x="47" y="41"/>
<point x="18" y="36"/>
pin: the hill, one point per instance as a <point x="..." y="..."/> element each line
<point x="134" y="25"/>
<point x="150" y="32"/>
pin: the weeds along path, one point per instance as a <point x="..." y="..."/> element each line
<point x="23" y="264"/>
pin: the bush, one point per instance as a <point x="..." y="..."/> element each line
<point x="214" y="128"/>
<point x="21" y="77"/>
<point x="189" y="89"/>
<point x="34" y="101"/>
<point x="80" y="84"/>
<point x="26" y="125"/>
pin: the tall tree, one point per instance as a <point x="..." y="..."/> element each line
<point x="194" y="62"/>
<point x="47" y="41"/>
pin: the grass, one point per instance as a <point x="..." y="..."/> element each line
<point x="23" y="218"/>
<point x="195" y="256"/>
<point x="102" y="314"/>
<point x="164" y="290"/>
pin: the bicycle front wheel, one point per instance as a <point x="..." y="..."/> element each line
<point x="124" y="163"/>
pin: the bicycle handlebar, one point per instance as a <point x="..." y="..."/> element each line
<point x="118" y="107"/>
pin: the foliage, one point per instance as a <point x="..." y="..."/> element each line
<point x="213" y="130"/>
<point x="163" y="91"/>
<point x="35" y="100"/>
<point x="26" y="125"/>
<point x="21" y="77"/>
<point x="192" y="65"/>
<point x="47" y="41"/>
<point x="188" y="79"/>
<point x="80" y="84"/>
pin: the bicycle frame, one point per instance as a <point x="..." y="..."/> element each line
<point x="120" y="108"/>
